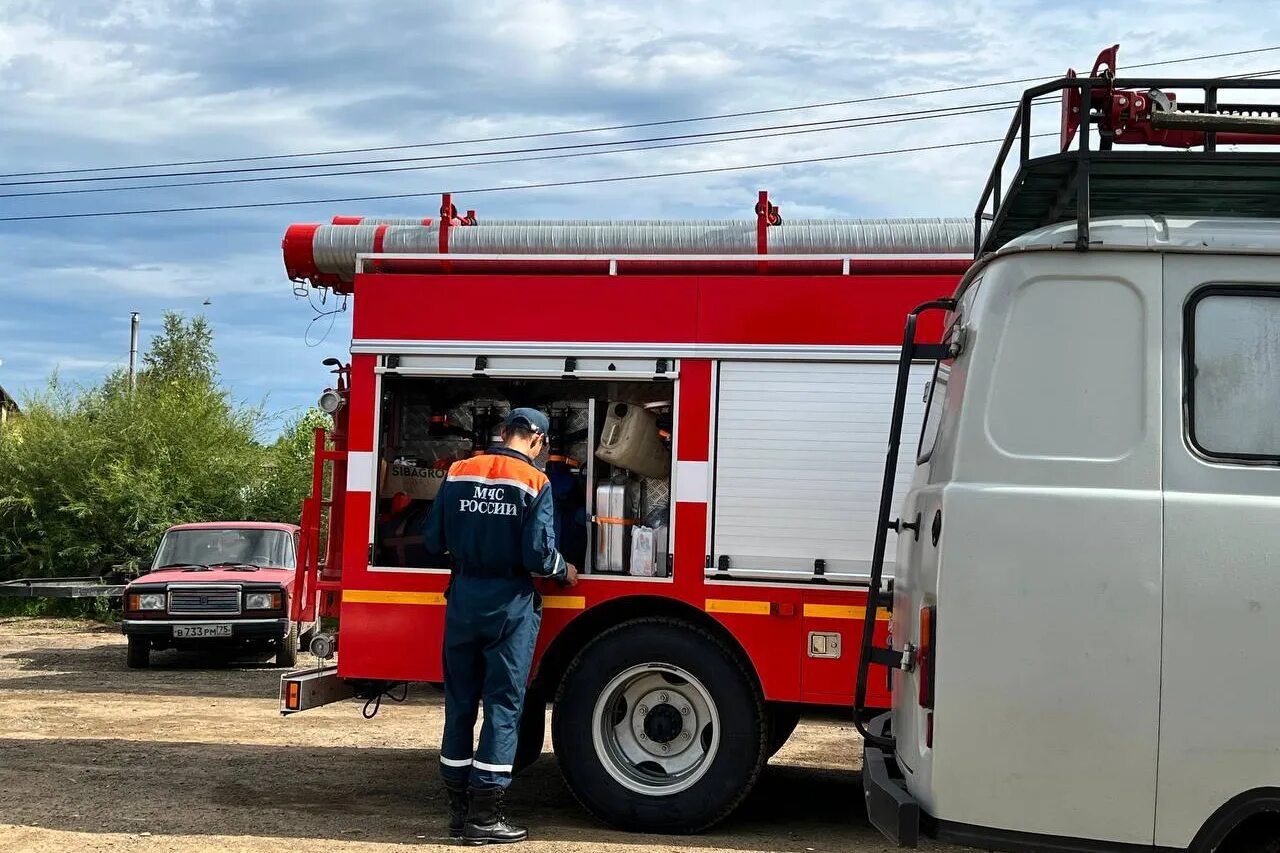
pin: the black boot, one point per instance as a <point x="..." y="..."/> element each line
<point x="458" y="801"/>
<point x="486" y="823"/>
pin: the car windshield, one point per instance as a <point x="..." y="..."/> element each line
<point x="233" y="545"/>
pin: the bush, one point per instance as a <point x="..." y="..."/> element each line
<point x="91" y="476"/>
<point x="99" y="609"/>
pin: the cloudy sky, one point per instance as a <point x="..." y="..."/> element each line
<point x="94" y="83"/>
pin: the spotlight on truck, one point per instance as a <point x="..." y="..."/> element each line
<point x="330" y="401"/>
<point x="324" y="645"/>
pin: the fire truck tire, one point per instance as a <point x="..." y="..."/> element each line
<point x="659" y="727"/>
<point x="287" y="648"/>
<point x="783" y="720"/>
<point x="139" y="655"/>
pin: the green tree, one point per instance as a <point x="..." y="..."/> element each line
<point x="91" y="476"/>
<point x="287" y="475"/>
<point x="182" y="353"/>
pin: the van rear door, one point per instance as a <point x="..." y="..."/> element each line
<point x="1048" y="570"/>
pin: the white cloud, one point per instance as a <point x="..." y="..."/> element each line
<point x="169" y="280"/>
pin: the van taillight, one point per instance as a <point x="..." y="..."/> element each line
<point x="925" y="660"/>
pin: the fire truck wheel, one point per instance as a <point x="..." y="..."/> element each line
<point x="287" y="648"/>
<point x="139" y="656"/>
<point x="658" y="727"/>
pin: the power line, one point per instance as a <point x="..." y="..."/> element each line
<point x="708" y="135"/>
<point x="861" y="123"/>
<point x="571" y="147"/>
<point x="614" y="147"/>
<point x="615" y="127"/>
<point x="509" y="188"/>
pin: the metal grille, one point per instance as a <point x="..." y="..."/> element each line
<point x="220" y="601"/>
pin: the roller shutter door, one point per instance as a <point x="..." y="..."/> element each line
<point x="799" y="458"/>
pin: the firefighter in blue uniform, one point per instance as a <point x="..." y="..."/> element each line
<point x="494" y="516"/>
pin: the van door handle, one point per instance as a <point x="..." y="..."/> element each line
<point x="898" y="525"/>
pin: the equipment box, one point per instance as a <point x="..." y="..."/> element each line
<point x="413" y="478"/>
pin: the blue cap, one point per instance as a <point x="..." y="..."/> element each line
<point x="529" y="418"/>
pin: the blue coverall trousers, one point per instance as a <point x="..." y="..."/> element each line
<point x="490" y="628"/>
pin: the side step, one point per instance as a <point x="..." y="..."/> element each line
<point x="305" y="689"/>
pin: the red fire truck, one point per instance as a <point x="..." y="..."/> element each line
<point x="719" y="393"/>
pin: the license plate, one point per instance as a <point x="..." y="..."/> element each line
<point x="190" y="632"/>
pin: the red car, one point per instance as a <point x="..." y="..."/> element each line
<point x="222" y="583"/>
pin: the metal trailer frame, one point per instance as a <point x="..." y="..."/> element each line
<point x="79" y="587"/>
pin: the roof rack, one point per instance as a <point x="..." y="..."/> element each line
<point x="1092" y="178"/>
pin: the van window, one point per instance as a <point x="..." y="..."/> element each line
<point x="935" y="396"/>
<point x="1233" y="349"/>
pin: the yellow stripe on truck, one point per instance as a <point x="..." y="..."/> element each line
<point x="382" y="596"/>
<point x="726" y="605"/>
<point x="564" y="602"/>
<point x="840" y="611"/>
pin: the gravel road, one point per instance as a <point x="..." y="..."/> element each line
<point x="192" y="756"/>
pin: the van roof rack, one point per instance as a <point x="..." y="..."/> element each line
<point x="1092" y="178"/>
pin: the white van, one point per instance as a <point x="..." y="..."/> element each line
<point x="1086" y="611"/>
<point x="1091" y="605"/>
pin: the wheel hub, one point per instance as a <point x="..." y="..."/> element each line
<point x="656" y="729"/>
<point x="664" y="721"/>
<point x="663" y="724"/>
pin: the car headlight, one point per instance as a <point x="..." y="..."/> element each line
<point x="147" y="601"/>
<point x="262" y="601"/>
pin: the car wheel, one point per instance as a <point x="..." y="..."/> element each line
<point x="659" y="727"/>
<point x="139" y="655"/>
<point x="287" y="648"/>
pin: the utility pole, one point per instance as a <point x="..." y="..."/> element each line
<point x="133" y="350"/>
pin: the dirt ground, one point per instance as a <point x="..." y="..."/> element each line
<point x="192" y="755"/>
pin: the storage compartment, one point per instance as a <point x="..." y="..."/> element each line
<point x="429" y="422"/>
<point x="799" y="464"/>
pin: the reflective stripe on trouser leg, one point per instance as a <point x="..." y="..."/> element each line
<point x="463" y="681"/>
<point x="507" y="660"/>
